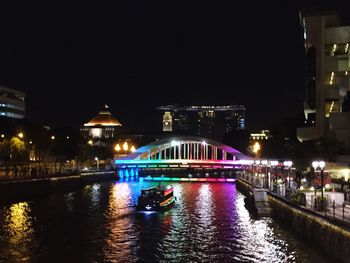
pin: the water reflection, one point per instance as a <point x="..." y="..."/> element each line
<point x="120" y="234"/>
<point x="17" y="231"/>
<point x="204" y="227"/>
<point x="209" y="223"/>
<point x="95" y="195"/>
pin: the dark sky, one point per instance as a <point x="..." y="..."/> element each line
<point x="71" y="58"/>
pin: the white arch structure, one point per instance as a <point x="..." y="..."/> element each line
<point x="184" y="151"/>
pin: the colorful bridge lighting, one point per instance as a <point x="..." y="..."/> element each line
<point x="184" y="179"/>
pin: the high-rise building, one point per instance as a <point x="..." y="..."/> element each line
<point x="12" y="103"/>
<point x="327" y="77"/>
<point x="235" y="120"/>
<point x="167" y="121"/>
<point x="206" y="121"/>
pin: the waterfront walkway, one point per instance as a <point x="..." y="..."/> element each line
<point x="337" y="211"/>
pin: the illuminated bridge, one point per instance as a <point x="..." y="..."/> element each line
<point x="173" y="156"/>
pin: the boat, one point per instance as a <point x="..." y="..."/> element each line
<point x="156" y="198"/>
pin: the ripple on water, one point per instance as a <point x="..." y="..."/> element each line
<point x="209" y="223"/>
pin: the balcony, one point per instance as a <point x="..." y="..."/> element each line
<point x="339" y="34"/>
<point x="307" y="134"/>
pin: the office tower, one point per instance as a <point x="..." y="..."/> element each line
<point x="12" y="103"/>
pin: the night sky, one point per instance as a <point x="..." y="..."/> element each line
<point x="72" y="58"/>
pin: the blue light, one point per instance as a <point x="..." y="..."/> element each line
<point x="148" y="212"/>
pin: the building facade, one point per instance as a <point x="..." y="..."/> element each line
<point x="167" y="122"/>
<point x="327" y="87"/>
<point x="206" y="121"/>
<point x="12" y="103"/>
<point x="102" y="126"/>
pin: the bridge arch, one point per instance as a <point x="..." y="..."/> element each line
<point x="185" y="148"/>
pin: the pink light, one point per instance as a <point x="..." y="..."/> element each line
<point x="168" y="191"/>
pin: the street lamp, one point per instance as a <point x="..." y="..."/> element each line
<point x="274" y="165"/>
<point x="289" y="165"/>
<point x="96" y="159"/>
<point x="125" y="146"/>
<point x="266" y="181"/>
<point x="321" y="165"/>
<point x="117" y="147"/>
<point x="256" y="172"/>
<point x="256" y="148"/>
<point x="20" y="135"/>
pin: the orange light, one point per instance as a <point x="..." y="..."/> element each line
<point x="132" y="148"/>
<point x="125" y="146"/>
<point x="117" y="148"/>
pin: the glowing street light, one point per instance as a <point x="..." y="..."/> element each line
<point x="321" y="165"/>
<point x="267" y="175"/>
<point x="274" y="164"/>
<point x="289" y="165"/>
<point x="125" y="146"/>
<point x="256" y="148"/>
<point x="53" y="137"/>
<point x="117" y="147"/>
<point x="90" y="142"/>
<point x="96" y="159"/>
<point x="20" y="135"/>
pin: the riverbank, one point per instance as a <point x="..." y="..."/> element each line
<point x="19" y="189"/>
<point x="331" y="238"/>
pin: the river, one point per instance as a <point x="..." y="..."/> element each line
<point x="209" y="223"/>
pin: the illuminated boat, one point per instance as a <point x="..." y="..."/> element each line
<point x="157" y="198"/>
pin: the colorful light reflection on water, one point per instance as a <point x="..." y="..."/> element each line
<point x="99" y="224"/>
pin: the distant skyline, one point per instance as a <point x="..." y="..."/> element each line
<point x="71" y="59"/>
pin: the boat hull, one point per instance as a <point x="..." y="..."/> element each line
<point x="157" y="208"/>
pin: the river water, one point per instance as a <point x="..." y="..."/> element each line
<point x="98" y="224"/>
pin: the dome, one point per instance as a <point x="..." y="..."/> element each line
<point x="104" y="118"/>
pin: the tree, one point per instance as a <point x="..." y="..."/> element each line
<point x="18" y="152"/>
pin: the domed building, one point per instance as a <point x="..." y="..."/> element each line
<point x="102" y="126"/>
